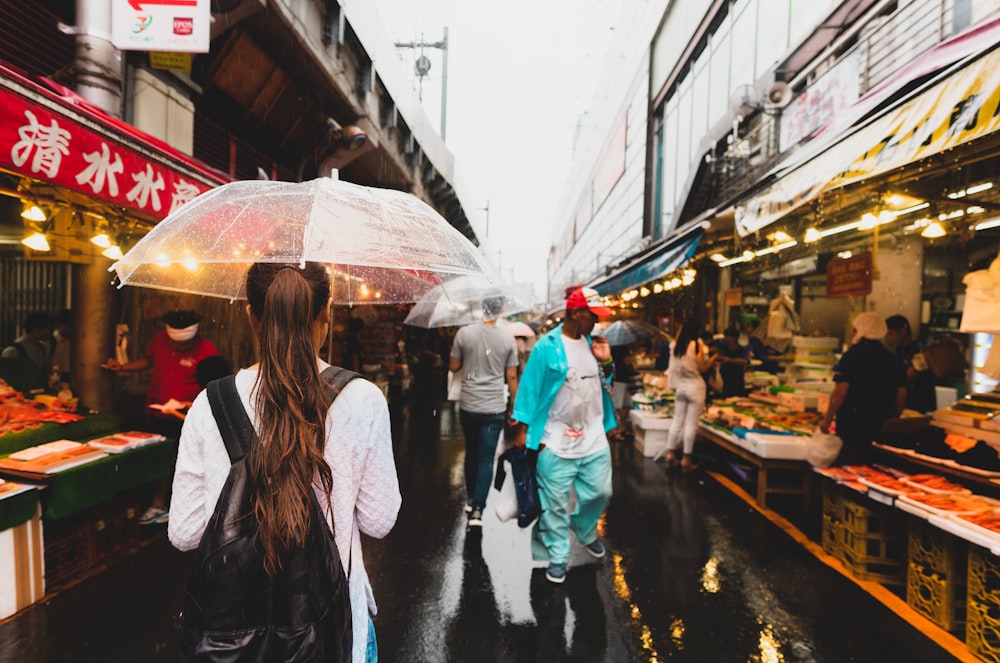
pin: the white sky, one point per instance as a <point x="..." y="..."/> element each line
<point x="520" y="73"/>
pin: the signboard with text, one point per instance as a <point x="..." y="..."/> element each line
<point x="849" y="277"/>
<point x="44" y="145"/>
<point x="161" y="25"/>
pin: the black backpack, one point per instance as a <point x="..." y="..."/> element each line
<point x="235" y="611"/>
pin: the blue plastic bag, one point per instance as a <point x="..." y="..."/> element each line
<point x="522" y="470"/>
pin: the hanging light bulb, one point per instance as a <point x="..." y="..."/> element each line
<point x="102" y="240"/>
<point x="33" y="213"/>
<point x="114" y="252"/>
<point x="933" y="231"/>
<point x="812" y="235"/>
<point x="37" y="241"/>
<point x="868" y="221"/>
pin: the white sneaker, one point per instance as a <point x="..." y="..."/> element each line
<point x="155" y="515"/>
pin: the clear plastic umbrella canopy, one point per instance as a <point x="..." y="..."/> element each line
<point x="382" y="246"/>
<point x="464" y="300"/>
<point x="624" y="332"/>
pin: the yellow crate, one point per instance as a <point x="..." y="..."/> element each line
<point x="882" y="570"/>
<point x="982" y="631"/>
<point x="831" y="499"/>
<point x="872" y="533"/>
<point x="941" y="600"/>
<point x="831" y="536"/>
<point x="984" y="578"/>
<point x="937" y="551"/>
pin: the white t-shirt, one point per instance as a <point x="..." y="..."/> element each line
<point x="575" y="425"/>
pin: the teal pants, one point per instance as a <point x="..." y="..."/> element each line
<point x="590" y="478"/>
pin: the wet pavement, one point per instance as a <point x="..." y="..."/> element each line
<point x="693" y="574"/>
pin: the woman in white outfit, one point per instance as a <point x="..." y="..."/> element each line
<point x="687" y="363"/>
<point x="343" y="453"/>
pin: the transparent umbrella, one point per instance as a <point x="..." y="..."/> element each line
<point x="383" y="246"/>
<point x="624" y="332"/>
<point x="464" y="300"/>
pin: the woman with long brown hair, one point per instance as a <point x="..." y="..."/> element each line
<point x="343" y="453"/>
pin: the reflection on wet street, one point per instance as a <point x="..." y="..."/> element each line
<point x="692" y="574"/>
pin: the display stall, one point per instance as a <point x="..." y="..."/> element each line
<point x="651" y="414"/>
<point x="69" y="496"/>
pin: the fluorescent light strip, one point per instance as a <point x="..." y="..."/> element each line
<point x="986" y="225"/>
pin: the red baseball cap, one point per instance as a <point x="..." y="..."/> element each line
<point x="587" y="298"/>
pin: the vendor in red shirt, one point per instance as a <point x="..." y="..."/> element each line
<point x="173" y="354"/>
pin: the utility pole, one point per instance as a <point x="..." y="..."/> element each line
<point x="423" y="65"/>
<point x="487" y="210"/>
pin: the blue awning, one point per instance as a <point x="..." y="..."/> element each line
<point x="659" y="260"/>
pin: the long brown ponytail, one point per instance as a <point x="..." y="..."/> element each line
<point x="285" y="302"/>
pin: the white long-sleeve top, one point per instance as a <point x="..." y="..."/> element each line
<point x="365" y="494"/>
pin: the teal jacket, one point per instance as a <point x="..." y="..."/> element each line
<point x="543" y="376"/>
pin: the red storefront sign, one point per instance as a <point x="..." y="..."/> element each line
<point x="45" y="137"/>
<point x="849" y="277"/>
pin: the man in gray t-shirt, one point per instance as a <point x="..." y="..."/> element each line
<point x="487" y="357"/>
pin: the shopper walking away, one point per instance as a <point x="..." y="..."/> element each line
<point x="343" y="453"/>
<point x="870" y="389"/>
<point x="486" y="357"/>
<point x="920" y="393"/>
<point x="36" y="332"/>
<point x="564" y="402"/>
<point x="689" y="362"/>
<point x="173" y="354"/>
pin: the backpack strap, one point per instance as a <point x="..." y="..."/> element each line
<point x="234" y="423"/>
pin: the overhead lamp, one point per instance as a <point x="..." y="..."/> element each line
<point x="351" y="136"/>
<point x="812" y="235"/>
<point x="717" y="257"/>
<point x="102" y="240"/>
<point x="644" y="291"/>
<point x="986" y="225"/>
<point x="33" y="213"/>
<point x="933" y="231"/>
<point x="114" y="252"/>
<point x="37" y="241"/>
<point x="972" y="190"/>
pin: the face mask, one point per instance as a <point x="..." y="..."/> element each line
<point x="182" y="335"/>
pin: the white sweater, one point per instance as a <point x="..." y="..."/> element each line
<point x="365" y="487"/>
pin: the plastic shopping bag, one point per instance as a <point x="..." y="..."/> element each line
<point x="506" y="507"/>
<point x="823" y="448"/>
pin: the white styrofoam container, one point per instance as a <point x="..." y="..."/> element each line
<point x="785" y="447"/>
<point x="651" y="442"/>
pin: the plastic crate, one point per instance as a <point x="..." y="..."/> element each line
<point x="69" y="549"/>
<point x="116" y="525"/>
<point x="984" y="578"/>
<point x="942" y="600"/>
<point x="872" y="541"/>
<point x="982" y="631"/>
<point x="982" y="626"/>
<point x="831" y="499"/>
<point x="938" y="552"/>
<point x="870" y="533"/>
<point x="831" y="536"/>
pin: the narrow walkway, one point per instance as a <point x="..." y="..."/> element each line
<point x="695" y="573"/>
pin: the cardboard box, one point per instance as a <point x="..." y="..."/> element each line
<point x="22" y="565"/>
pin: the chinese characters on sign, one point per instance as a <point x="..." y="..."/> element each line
<point x="45" y="145"/>
<point x="849" y="277"/>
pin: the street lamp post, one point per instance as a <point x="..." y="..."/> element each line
<point x="423" y="65"/>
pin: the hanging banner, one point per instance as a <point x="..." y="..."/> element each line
<point x="960" y="109"/>
<point x="849" y="277"/>
<point x="43" y="142"/>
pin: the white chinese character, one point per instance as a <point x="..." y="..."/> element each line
<point x="183" y="192"/>
<point x="147" y="186"/>
<point x="48" y="143"/>
<point x="101" y="168"/>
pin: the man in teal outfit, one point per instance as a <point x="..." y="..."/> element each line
<point x="565" y="409"/>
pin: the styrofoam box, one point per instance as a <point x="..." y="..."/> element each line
<point x="785" y="447"/>
<point x="651" y="431"/>
<point x="820" y="342"/>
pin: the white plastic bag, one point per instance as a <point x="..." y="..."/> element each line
<point x="506" y="507"/>
<point x="823" y="448"/>
<point x="454" y="386"/>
